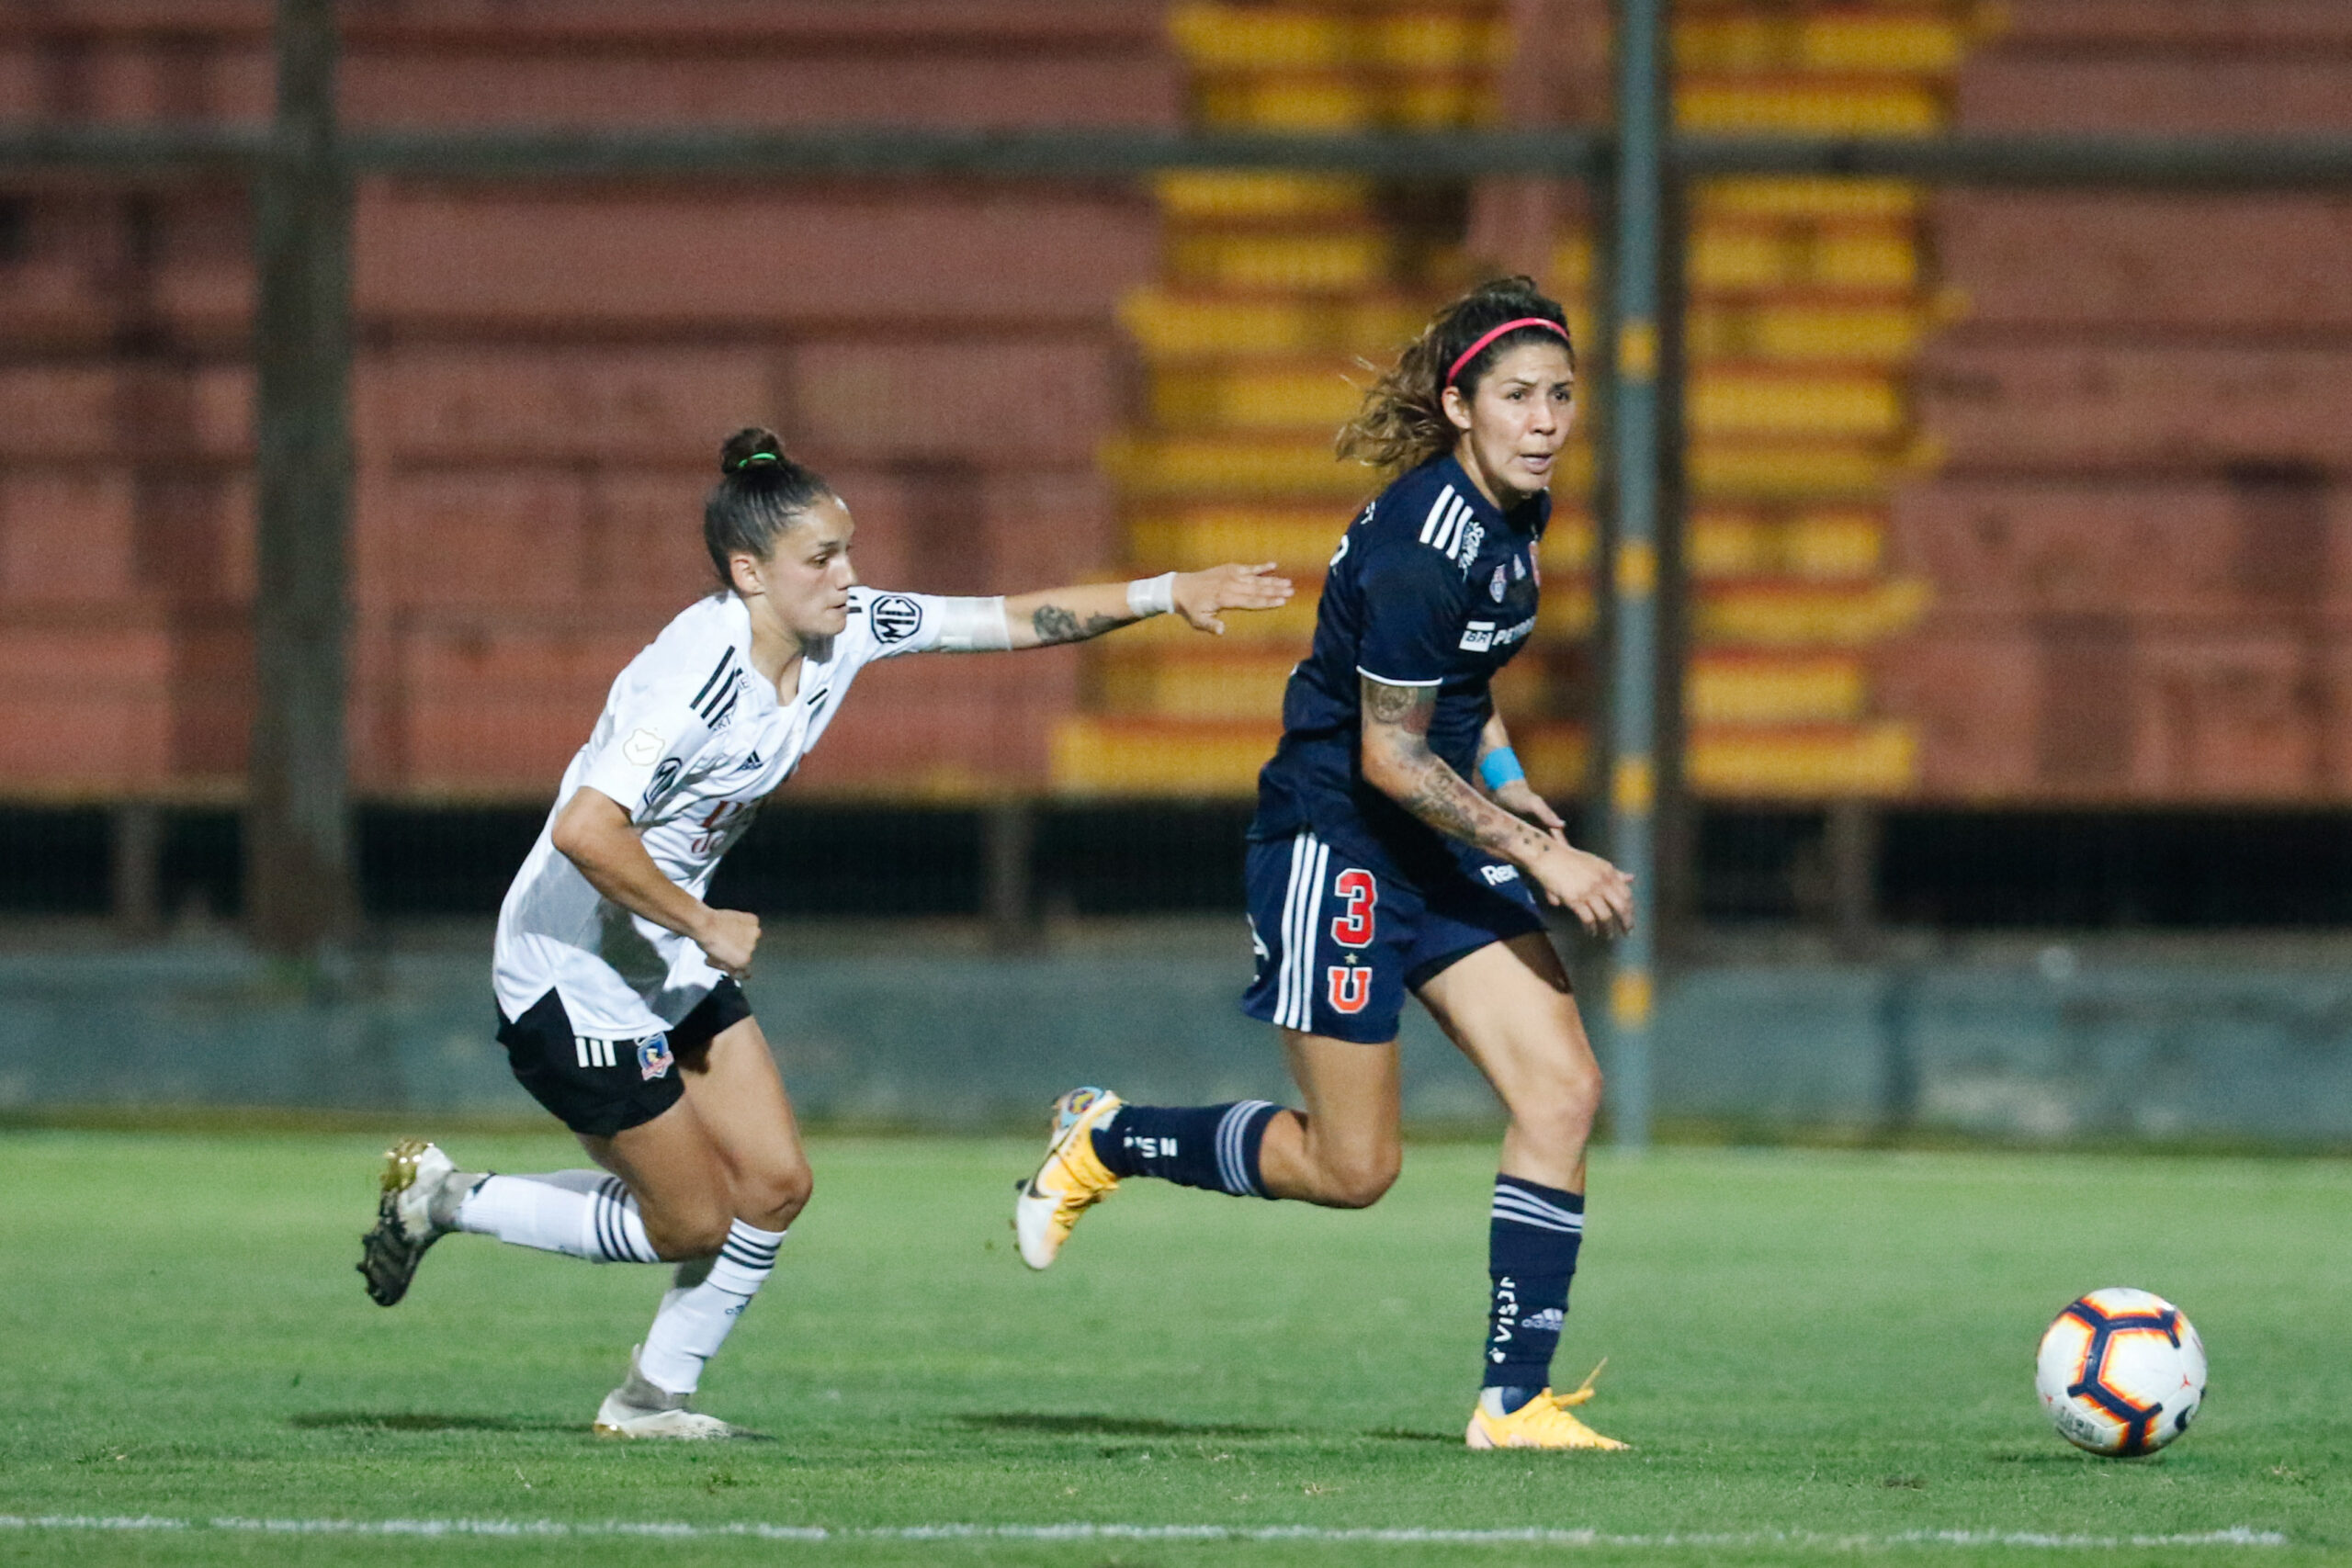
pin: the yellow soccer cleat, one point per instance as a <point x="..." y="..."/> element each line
<point x="1072" y="1180"/>
<point x="1542" y="1422"/>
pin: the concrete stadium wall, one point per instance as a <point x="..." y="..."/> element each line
<point x="2052" y="1046"/>
<point x="2138" y="534"/>
<point x="544" y="372"/>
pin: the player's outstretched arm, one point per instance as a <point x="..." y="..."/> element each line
<point x="1397" y="761"/>
<point x="596" y="834"/>
<point x="1054" y="616"/>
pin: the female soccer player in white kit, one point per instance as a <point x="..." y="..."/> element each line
<point x="617" y="984"/>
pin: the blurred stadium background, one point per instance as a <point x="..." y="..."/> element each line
<point x="2008" y="785"/>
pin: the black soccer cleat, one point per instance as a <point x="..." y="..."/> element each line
<point x="413" y="1171"/>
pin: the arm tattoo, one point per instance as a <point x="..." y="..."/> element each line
<point x="1384" y="704"/>
<point x="1398" y="718"/>
<point x="1053" y="623"/>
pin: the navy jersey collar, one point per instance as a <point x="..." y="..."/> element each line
<point x="1526" y="519"/>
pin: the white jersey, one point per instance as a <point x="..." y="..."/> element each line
<point x="691" y="741"/>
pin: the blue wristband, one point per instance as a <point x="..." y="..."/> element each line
<point x="1499" y="767"/>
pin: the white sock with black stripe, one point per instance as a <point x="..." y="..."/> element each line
<point x="581" y="1213"/>
<point x="693" y="1320"/>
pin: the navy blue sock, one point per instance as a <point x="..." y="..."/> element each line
<point x="1532" y="1244"/>
<point x="1211" y="1146"/>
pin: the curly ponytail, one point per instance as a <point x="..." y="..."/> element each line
<point x="1402" y="423"/>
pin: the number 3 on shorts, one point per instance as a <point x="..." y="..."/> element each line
<point x="1360" y="892"/>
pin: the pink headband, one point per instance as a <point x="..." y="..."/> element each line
<point x="1472" y="352"/>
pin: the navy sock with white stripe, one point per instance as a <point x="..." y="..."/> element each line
<point x="693" y="1320"/>
<point x="1211" y="1146"/>
<point x="1532" y="1245"/>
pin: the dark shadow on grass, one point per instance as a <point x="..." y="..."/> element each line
<point x="1113" y="1426"/>
<point x="1403" y="1435"/>
<point x="419" y="1421"/>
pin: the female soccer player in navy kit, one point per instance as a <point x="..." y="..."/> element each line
<point x="1377" y="866"/>
<point x="616" y="983"/>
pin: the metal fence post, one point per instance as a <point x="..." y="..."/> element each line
<point x="1633" y="565"/>
<point x="298" y="891"/>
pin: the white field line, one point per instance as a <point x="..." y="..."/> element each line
<point x="2239" y="1536"/>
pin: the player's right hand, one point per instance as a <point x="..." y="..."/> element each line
<point x="727" y="939"/>
<point x="1200" y="595"/>
<point x="1596" y="893"/>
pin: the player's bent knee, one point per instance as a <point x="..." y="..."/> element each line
<point x="1560" y="1122"/>
<point x="772" y="1199"/>
<point x="677" y="1238"/>
<point x="1359" y="1184"/>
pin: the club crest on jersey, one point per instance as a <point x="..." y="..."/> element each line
<point x="653" y="1057"/>
<point x="1498" y="584"/>
<point x="894" y="618"/>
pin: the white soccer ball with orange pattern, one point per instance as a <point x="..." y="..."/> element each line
<point x="2120" y="1371"/>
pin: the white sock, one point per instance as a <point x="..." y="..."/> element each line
<point x="583" y="1214"/>
<point x="693" y="1321"/>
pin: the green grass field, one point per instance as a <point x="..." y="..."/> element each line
<point x="1814" y="1355"/>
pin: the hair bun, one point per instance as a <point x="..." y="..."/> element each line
<point x="751" y="448"/>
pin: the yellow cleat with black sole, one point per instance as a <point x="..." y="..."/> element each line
<point x="1544" y="1422"/>
<point x="1071" y="1180"/>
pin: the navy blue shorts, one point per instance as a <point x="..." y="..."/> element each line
<point x="1341" y="932"/>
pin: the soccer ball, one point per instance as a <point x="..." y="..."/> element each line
<point x="2120" y="1372"/>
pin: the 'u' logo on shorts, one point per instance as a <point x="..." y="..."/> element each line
<point x="1350" y="987"/>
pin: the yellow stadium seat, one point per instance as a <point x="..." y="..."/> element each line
<point x="1793" y="105"/>
<point x="1243" y="38"/>
<point x="1723" y="401"/>
<point x="1260" y="194"/>
<point x="1807" y="333"/>
<point x="1814" y="544"/>
<point x="1093" y="755"/>
<point x="1880" y="258"/>
<point x="1766" y="690"/>
<point x="1298" y="540"/>
<point x="1876" y="761"/>
<point x="1807" y="615"/>
<point x="1792" y="195"/>
<point x="1170" y="325"/>
<point x="1854" y="45"/>
<point x="1316" y="397"/>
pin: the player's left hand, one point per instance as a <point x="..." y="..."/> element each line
<point x="1518" y="798"/>
<point x="1201" y="595"/>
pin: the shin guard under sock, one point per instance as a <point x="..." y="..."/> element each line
<point x="1210" y="1147"/>
<point x="585" y="1214"/>
<point x="1532" y="1241"/>
<point x="694" y="1321"/>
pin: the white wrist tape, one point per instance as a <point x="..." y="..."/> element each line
<point x="972" y="625"/>
<point x="1153" y="595"/>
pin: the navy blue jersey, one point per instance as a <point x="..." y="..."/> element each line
<point x="1432" y="585"/>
